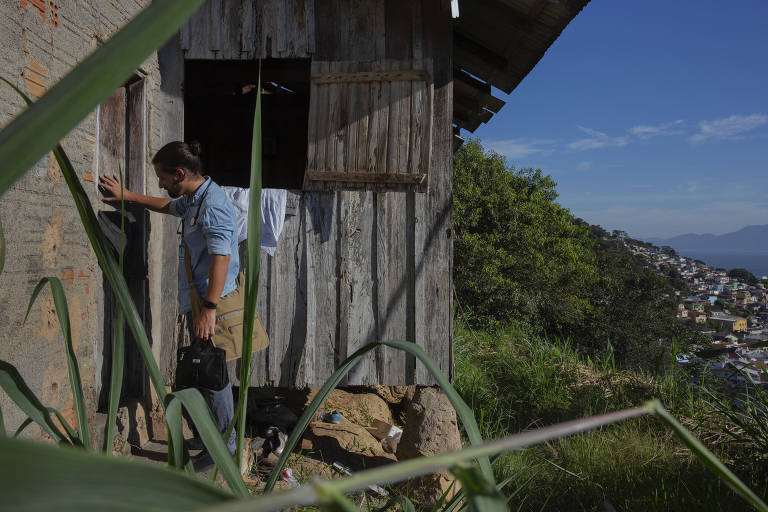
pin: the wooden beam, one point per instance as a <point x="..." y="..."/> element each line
<point x="466" y="85"/>
<point x="368" y="177"/>
<point x="465" y="119"/>
<point x="403" y="75"/>
<point x="487" y="56"/>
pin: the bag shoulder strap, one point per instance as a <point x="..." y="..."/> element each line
<point x="187" y="262"/>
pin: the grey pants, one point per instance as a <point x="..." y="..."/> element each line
<point x="222" y="406"/>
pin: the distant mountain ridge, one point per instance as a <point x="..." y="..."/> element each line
<point x="749" y="239"/>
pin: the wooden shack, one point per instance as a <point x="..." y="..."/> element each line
<point x="363" y="104"/>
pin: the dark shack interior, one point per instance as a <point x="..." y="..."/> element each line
<point x="219" y="100"/>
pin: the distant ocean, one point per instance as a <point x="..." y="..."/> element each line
<point x="755" y="263"/>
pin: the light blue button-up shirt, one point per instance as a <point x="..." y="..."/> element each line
<point x="213" y="232"/>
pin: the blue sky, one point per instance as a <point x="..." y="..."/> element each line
<point x="651" y="116"/>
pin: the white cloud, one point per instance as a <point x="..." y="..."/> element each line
<point x="597" y="140"/>
<point x="659" y="130"/>
<point x="728" y="127"/>
<point x="584" y="166"/>
<point x="515" y="149"/>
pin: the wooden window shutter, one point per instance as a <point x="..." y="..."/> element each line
<point x="370" y="126"/>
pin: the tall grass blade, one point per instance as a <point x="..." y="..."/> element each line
<point x="13" y="384"/>
<point x="118" y="344"/>
<point x="64" y="423"/>
<point x="459" y="496"/>
<point x="462" y="409"/>
<point x="332" y="500"/>
<point x="405" y="504"/>
<point x="42" y="125"/>
<point x="27" y="422"/>
<point x="201" y="415"/>
<point x="2" y="425"/>
<point x="708" y="458"/>
<point x="481" y="494"/>
<point x="2" y="265"/>
<point x="252" y="267"/>
<point x="73" y="371"/>
<point x="36" y="477"/>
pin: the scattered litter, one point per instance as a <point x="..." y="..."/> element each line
<point x="389" y="443"/>
<point x="379" y="429"/>
<point x="287" y="476"/>
<point x="329" y="416"/>
<point x="341" y="468"/>
<point x="344" y="470"/>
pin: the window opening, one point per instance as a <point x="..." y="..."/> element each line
<point x="219" y="98"/>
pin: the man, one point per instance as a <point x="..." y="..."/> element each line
<point x="210" y="235"/>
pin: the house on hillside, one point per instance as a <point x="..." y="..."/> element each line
<point x="363" y="103"/>
<point x="730" y="322"/>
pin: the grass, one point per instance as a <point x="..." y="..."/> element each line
<point x="515" y="382"/>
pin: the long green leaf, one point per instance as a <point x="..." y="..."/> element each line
<point x="708" y="458"/>
<point x="2" y="262"/>
<point x="64" y="423"/>
<point x="73" y="371"/>
<point x="18" y="391"/>
<point x="252" y="267"/>
<point x="481" y="494"/>
<point x="42" y="125"/>
<point x="118" y="345"/>
<point x="397" y="499"/>
<point x="35" y="477"/>
<point x="462" y="409"/>
<point x="201" y="415"/>
<point x="115" y="380"/>
<point x="332" y="500"/>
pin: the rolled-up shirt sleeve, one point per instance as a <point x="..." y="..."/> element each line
<point x="178" y="206"/>
<point x="218" y="229"/>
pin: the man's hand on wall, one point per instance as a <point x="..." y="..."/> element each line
<point x="109" y="185"/>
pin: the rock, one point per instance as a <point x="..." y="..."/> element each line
<point x="430" y="428"/>
<point x="350" y="444"/>
<point x="97" y="425"/>
<point x="360" y="408"/>
<point x="431" y="425"/>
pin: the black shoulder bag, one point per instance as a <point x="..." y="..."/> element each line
<point x="201" y="365"/>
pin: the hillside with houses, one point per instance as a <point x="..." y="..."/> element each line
<point x="731" y="308"/>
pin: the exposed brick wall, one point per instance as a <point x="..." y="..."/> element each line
<point x="40" y="41"/>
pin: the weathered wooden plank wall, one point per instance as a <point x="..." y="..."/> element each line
<point x="355" y="266"/>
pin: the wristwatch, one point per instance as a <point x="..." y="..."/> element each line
<point x="209" y="305"/>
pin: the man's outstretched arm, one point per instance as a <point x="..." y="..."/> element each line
<point x="111" y="186"/>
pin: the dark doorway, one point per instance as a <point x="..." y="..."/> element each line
<point x="122" y="149"/>
<point x="219" y="100"/>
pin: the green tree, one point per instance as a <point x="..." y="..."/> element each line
<point x="743" y="276"/>
<point x="519" y="256"/>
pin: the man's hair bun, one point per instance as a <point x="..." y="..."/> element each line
<point x="195" y="148"/>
